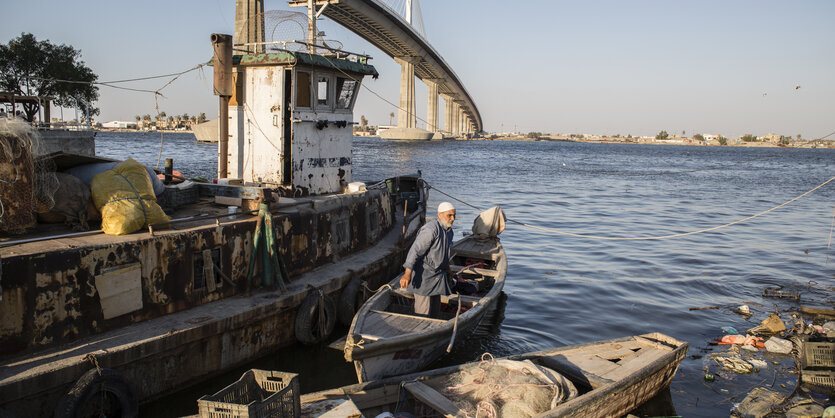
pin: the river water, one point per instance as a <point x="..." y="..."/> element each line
<point x="564" y="289"/>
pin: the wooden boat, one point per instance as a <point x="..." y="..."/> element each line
<point x="611" y="378"/>
<point x="386" y="338"/>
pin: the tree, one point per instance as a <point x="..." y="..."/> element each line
<point x="534" y="135"/>
<point x="662" y="135"/>
<point x="798" y="137"/>
<point x="682" y="133"/>
<point x="363" y="123"/>
<point x="699" y="137"/>
<point x="722" y="140"/>
<point x="748" y="138"/>
<point x="391" y="115"/>
<point x="201" y="118"/>
<point x="40" y="68"/>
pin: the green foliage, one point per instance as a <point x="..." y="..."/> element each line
<point x="662" y="135"/>
<point x="40" y="68"/>
<point x="785" y="140"/>
<point x="699" y="137"/>
<point x="534" y="135"/>
<point x="748" y="138"/>
<point x="722" y="140"/>
<point x="363" y="123"/>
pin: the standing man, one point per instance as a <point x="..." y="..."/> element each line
<point x="429" y="260"/>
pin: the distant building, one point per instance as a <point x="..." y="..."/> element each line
<point x="711" y="137"/>
<point x="118" y="124"/>
<point x="772" y="138"/>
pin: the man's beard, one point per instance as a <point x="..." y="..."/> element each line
<point x="445" y="225"/>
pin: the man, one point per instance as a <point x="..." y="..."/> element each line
<point x="428" y="259"/>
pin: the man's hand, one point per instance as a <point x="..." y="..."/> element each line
<point x="407" y="276"/>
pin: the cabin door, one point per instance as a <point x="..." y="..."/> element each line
<point x="287" y="137"/>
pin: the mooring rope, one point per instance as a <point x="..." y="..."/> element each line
<point x="659" y="237"/>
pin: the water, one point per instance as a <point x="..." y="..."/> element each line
<point x="567" y="290"/>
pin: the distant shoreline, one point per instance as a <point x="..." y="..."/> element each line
<point x="677" y="141"/>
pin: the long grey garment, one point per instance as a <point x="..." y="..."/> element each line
<point x="429" y="259"/>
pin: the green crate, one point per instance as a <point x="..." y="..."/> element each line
<point x="817" y="353"/>
<point x="821" y="381"/>
<point x="257" y="394"/>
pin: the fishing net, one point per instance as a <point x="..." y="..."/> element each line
<point x="27" y="185"/>
<point x="505" y="388"/>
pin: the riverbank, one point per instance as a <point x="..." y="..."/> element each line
<point x="652" y="141"/>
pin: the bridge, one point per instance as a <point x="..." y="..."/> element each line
<point x="399" y="34"/>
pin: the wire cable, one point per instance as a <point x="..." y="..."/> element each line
<point x="659" y="237"/>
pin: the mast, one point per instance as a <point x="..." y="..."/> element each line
<point x="311" y="25"/>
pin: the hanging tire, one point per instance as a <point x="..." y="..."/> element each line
<point x="350" y="301"/>
<point x="310" y="326"/>
<point x="107" y="394"/>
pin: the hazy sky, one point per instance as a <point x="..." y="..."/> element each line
<point x="609" y="67"/>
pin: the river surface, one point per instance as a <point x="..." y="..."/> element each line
<point x="563" y="289"/>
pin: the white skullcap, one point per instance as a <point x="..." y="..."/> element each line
<point x="445" y="206"/>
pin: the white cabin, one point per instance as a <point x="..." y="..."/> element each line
<point x="291" y="120"/>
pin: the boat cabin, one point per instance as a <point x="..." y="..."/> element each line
<point x="291" y="117"/>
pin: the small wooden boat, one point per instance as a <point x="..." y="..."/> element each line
<point x="386" y="338"/>
<point x="600" y="379"/>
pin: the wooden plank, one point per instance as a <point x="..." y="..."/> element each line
<point x="120" y="290"/>
<point x="339" y="344"/>
<point x="421" y="318"/>
<point x="593" y="365"/>
<point x="432" y="398"/>
<point x="476" y="270"/>
<point x="634" y="363"/>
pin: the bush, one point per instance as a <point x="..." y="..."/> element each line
<point x="699" y="137"/>
<point x="534" y="135"/>
<point x="722" y="140"/>
<point x="748" y="138"/>
<point x="662" y="135"/>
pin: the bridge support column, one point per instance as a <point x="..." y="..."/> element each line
<point x="448" y="102"/>
<point x="406" y="115"/>
<point x="249" y="24"/>
<point x="432" y="107"/>
<point x="456" y="119"/>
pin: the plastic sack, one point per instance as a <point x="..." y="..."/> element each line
<point x="125" y="198"/>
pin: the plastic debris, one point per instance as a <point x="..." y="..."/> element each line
<point x="778" y="345"/>
<point x="730" y="330"/>
<point x="829" y="412"/>
<point x="775" y="292"/>
<point x="735" y="364"/>
<point x="709" y="377"/>
<point x="829" y="326"/>
<point x="743" y="310"/>
<point x="769" y="326"/>
<point x="758" y="363"/>
<point x="739" y="339"/>
<point x="758" y="403"/>
<point x="750" y="348"/>
<point x="806" y="410"/>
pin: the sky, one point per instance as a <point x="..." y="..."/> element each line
<point x="553" y="66"/>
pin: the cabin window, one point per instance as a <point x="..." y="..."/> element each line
<point x="303" y="89"/>
<point x="346" y="89"/>
<point x="323" y="84"/>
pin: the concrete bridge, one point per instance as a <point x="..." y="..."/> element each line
<point x="400" y="35"/>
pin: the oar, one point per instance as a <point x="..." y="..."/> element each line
<point x="454" y="325"/>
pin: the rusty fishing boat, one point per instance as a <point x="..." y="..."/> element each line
<point x="386" y="338"/>
<point x="599" y="379"/>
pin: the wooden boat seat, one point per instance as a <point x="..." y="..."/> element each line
<point x="468" y="301"/>
<point x="478" y="249"/>
<point x="476" y="270"/>
<point x="433" y="398"/>
<point x="382" y="324"/>
<point x="606" y="364"/>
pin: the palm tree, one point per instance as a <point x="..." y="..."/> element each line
<point x="391" y="115"/>
<point x="201" y="118"/>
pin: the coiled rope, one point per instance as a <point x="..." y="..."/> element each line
<point x="659" y="237"/>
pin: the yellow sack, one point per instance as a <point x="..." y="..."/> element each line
<point x="125" y="197"/>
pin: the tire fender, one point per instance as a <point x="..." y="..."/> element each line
<point x="307" y="325"/>
<point x="350" y="301"/>
<point x="95" y="386"/>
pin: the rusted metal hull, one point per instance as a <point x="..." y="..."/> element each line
<point x="53" y="315"/>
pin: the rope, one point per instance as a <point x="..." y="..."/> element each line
<point x="92" y="359"/>
<point x="683" y="234"/>
<point x="138" y="196"/>
<point x="828" y="245"/>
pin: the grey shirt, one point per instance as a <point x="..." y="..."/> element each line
<point x="429" y="259"/>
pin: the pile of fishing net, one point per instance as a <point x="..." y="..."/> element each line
<point x="506" y="388"/>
